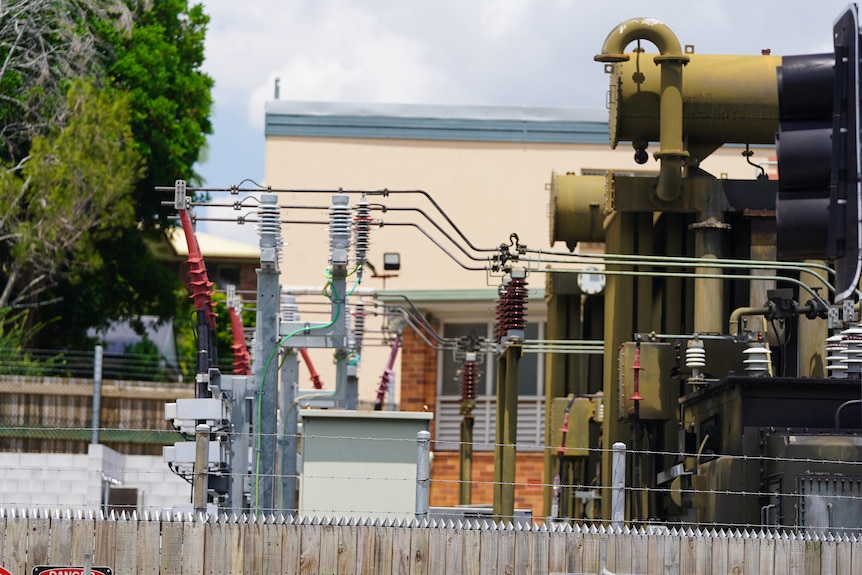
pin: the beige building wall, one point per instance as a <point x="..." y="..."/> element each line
<point x="489" y="190"/>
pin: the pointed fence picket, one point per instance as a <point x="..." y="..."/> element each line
<point x="164" y="544"/>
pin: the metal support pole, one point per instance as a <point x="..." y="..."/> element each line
<point x="288" y="435"/>
<point x="708" y="292"/>
<point x="498" y="438"/>
<point x="465" y="473"/>
<point x="618" y="327"/>
<point x="346" y="380"/>
<point x="423" y="473"/>
<point x="97" y="394"/>
<point x="240" y="440"/>
<point x="346" y="388"/>
<point x="510" y="429"/>
<point x="618" y="495"/>
<point x="199" y="481"/>
<point x="812" y="333"/>
<point x="507" y="433"/>
<point x="266" y="370"/>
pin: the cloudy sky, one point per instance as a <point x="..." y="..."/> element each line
<point x="478" y="52"/>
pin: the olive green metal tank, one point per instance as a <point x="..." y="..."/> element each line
<point x="725" y="100"/>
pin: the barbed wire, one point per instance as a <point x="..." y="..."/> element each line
<point x="8" y="428"/>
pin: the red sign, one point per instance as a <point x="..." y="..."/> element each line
<point x="60" y="570"/>
<point x="4" y="571"/>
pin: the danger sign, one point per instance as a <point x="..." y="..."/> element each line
<point x="60" y="570"/>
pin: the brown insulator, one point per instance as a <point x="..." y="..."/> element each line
<point x="516" y="305"/>
<point x="469" y="381"/>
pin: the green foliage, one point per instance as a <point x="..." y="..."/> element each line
<point x="159" y="66"/>
<point x="45" y="44"/>
<point x="73" y="191"/>
<point x="13" y="329"/>
<point x="156" y="62"/>
<point x="144" y="361"/>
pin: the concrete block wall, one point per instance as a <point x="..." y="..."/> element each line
<point x="42" y="480"/>
<point x="65" y="481"/>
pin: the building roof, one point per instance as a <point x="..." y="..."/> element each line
<point x="434" y="122"/>
<point x="215" y="247"/>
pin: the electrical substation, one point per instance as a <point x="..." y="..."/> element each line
<point x="714" y="332"/>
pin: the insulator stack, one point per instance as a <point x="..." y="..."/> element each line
<point x="241" y="362"/>
<point x="361" y="233"/>
<point x="500" y="314"/>
<point x="386" y="378"/>
<point x="836" y="360"/>
<point x="199" y="281"/>
<point x="516" y="305"/>
<point x="695" y="359"/>
<point x="358" y="325"/>
<point x="340" y="229"/>
<point x="289" y="309"/>
<point x="269" y="224"/>
<point x="852" y="338"/>
<point x="758" y="360"/>
<point x="469" y="380"/>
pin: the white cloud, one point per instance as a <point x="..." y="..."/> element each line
<point x="507" y="52"/>
<point x="351" y="56"/>
<point x="502" y="17"/>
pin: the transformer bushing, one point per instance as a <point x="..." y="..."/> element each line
<point x="695" y="360"/>
<point x="845" y="353"/>
<point x="758" y="360"/>
<point x="836" y="366"/>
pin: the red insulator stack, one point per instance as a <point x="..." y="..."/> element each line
<point x="199" y="281"/>
<point x="469" y="381"/>
<point x="241" y="364"/>
<point x="516" y="305"/>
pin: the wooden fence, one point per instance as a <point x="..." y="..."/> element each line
<point x="181" y="546"/>
<point x="55" y="415"/>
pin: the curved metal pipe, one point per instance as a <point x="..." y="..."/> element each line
<point x="638" y="29"/>
<point x="737" y="314"/>
<point x="671" y="59"/>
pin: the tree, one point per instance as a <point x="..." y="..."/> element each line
<point x="159" y="65"/>
<point x="72" y="191"/>
<point x="150" y="51"/>
<point x="44" y="44"/>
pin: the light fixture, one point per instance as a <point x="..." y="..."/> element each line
<point x="392" y="261"/>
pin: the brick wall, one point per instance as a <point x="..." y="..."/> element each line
<point x="418" y="391"/>
<point x="528" y="477"/>
<point x="418" y="374"/>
